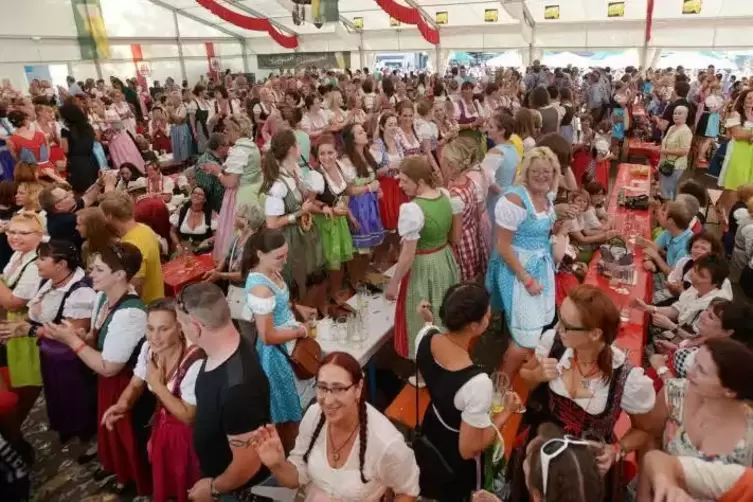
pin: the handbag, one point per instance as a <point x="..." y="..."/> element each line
<point x="305" y="359"/>
<point x="236" y="300"/>
<point x="667" y="168"/>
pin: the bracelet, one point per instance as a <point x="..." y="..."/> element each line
<point x="81" y="347"/>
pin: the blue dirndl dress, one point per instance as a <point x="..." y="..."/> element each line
<point x="526" y="315"/>
<point x="285" y="403"/>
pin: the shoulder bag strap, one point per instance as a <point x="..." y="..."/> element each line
<point x="429" y="333"/>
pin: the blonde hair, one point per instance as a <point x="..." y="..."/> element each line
<point x="745" y="192"/>
<point x="117" y="205"/>
<point x="240" y="123"/>
<point x="30" y="219"/>
<point x="417" y="168"/>
<point x="539" y="153"/>
<point x="460" y="154"/>
<point x="32" y="192"/>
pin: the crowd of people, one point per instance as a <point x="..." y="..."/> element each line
<point x="487" y="195"/>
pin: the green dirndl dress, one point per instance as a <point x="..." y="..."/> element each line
<point x="305" y="255"/>
<point x="24" y="366"/>
<point x="251" y="177"/>
<point x="737" y="168"/>
<point x="337" y="242"/>
<point x="433" y="271"/>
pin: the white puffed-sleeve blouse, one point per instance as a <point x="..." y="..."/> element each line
<point x="388" y="463"/>
<point x="410" y="221"/>
<point x="638" y="397"/>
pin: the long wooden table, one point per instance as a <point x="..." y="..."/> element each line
<point x="632" y="332"/>
<point x="630" y="223"/>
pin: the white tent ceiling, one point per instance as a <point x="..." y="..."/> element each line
<point x="472" y="13"/>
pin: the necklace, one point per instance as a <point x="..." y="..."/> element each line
<point x="56" y="285"/>
<point x="336" y="451"/>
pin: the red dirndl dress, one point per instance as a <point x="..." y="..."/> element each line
<point x="119" y="449"/>
<point x="175" y="467"/>
<point x="392" y="195"/>
<point x="161" y="141"/>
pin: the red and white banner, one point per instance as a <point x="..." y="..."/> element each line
<point x="213" y="62"/>
<point x="139" y="65"/>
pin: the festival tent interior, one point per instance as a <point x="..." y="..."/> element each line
<point x="184" y="39"/>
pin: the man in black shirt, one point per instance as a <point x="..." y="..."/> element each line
<point x="682" y="88"/>
<point x="61" y="205"/>
<point x="232" y="397"/>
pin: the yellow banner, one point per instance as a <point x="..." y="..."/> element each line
<point x="552" y="12"/>
<point x="616" y="9"/>
<point x="491" y="15"/>
<point x="692" y="6"/>
<point x="92" y="34"/>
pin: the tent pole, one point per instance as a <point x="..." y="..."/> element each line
<point x="244" y="52"/>
<point x="361" y="52"/>
<point x="180" y="47"/>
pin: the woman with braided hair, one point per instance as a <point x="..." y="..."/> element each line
<point x="346" y="450"/>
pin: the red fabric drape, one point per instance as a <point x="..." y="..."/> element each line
<point x="249" y="23"/>
<point x="410" y="15"/>
<point x="649" y="19"/>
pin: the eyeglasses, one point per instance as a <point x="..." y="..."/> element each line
<point x="561" y="326"/>
<point x="556" y="447"/>
<point x="13" y="233"/>
<point x="334" y="391"/>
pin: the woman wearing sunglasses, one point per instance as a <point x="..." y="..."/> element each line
<point x="111" y="349"/>
<point x="583" y="383"/>
<point x="346" y="450"/>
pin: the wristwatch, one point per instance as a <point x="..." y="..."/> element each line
<point x="213" y="491"/>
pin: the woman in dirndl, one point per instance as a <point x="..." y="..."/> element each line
<point x="333" y="217"/>
<point x="20" y="281"/>
<point x="472" y="251"/>
<point x="180" y="131"/>
<point x="737" y="168"/>
<point x="268" y="297"/>
<point x="469" y="116"/>
<point x="199" y="111"/>
<point x="359" y="169"/>
<point x="65" y="295"/>
<point x="120" y="142"/>
<point x="520" y="277"/>
<point x="428" y="225"/>
<point x="289" y="205"/>
<point x="167" y="367"/>
<point x="159" y="132"/>
<point x="111" y="349"/>
<point x="241" y="177"/>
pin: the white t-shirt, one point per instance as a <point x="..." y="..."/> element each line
<point x="187" y="385"/>
<point x="46" y="302"/>
<point x="126" y="329"/>
<point x="638" y="396"/>
<point x="388" y="464"/>
<point x="689" y="304"/>
<point x="22" y="273"/>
